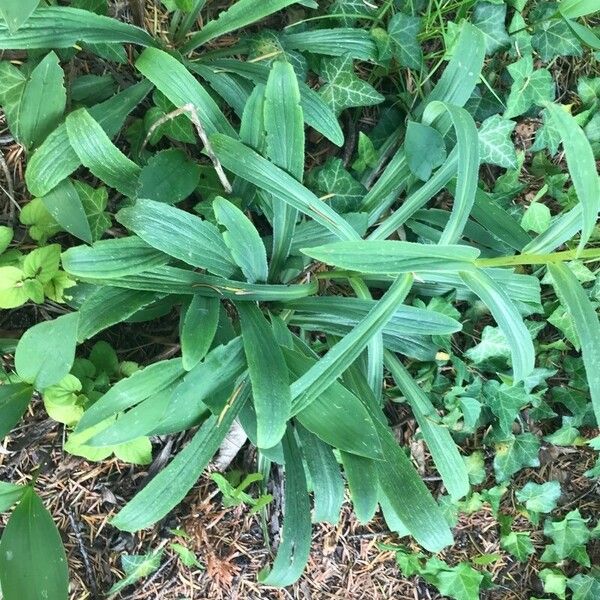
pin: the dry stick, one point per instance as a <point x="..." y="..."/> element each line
<point x="86" y="559"/>
<point x="191" y="111"/>
<point x="11" y="190"/>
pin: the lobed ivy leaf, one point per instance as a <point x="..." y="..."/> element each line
<point x="495" y="145"/>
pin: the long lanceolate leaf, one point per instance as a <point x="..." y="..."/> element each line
<point x="240" y="14"/>
<point x="181" y="88"/>
<point x="346" y="351"/>
<point x="268" y="374"/>
<point x="585" y="319"/>
<point x="294" y="548"/>
<point x="443" y="450"/>
<point x="99" y="154"/>
<point x="171" y="485"/>
<point x="63" y="27"/>
<point x="467" y="174"/>
<point x="284" y="125"/>
<point x="582" y="168"/>
<point x="252" y="167"/>
<point x="508" y="318"/>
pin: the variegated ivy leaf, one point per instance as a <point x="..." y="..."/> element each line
<point x="553" y="38"/>
<point x="343" y="88"/>
<point x="333" y="180"/>
<point x="403" y="30"/>
<point x="495" y="144"/>
<point x="350" y="10"/>
<point x="537" y="218"/>
<point x="490" y="18"/>
<point x="529" y="87"/>
<point x="547" y="137"/>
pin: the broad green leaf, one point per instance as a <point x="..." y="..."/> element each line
<point x="242" y="239"/>
<point x="327" y="482"/>
<point x="514" y="453"/>
<point x="490" y="18"/>
<point x="519" y="544"/>
<point x="536" y="218"/>
<point x="444" y="451"/>
<point x="46" y="351"/>
<point x="240" y="14"/>
<point x="179" y="234"/>
<point x="361" y="476"/>
<point x="247" y="164"/>
<point x="505" y="402"/>
<point x="16" y="12"/>
<point x="171" y="485"/>
<point x="99" y="155"/>
<point x="112" y="258"/>
<point x="294" y="548"/>
<point x="181" y="88"/>
<point x="268" y="374"/>
<point x="43" y="102"/>
<point x="540" y="498"/>
<point x="14" y="400"/>
<point x="495" y="145"/>
<point x="136" y="567"/>
<point x="403" y="30"/>
<point x="575" y="300"/>
<point x="199" y="322"/>
<point x="584" y="586"/>
<point x="131" y="391"/>
<point x="69" y="26"/>
<point x="94" y="202"/>
<point x="55" y="159"/>
<point x="343" y="88"/>
<point x="570" y="536"/>
<point x="13" y="289"/>
<point x="529" y="88"/>
<point x="64" y="204"/>
<point x="424" y="149"/>
<point x="320" y="376"/>
<point x="392" y="257"/>
<point x="32" y="559"/>
<point x="10" y="494"/>
<point x="169" y="176"/>
<point x="573" y="9"/>
<point x="554" y="37"/>
<point x="461" y="582"/>
<point x="333" y="42"/>
<point x="582" y="168"/>
<point x="284" y="126"/>
<point x="508" y="318"/>
<point x="333" y="180"/>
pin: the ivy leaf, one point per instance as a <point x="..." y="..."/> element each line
<point x="333" y="180"/>
<point x="569" y="538"/>
<point x="403" y="30"/>
<point x="540" y="498"/>
<point x="537" y="218"/>
<point x="553" y="37"/>
<point x="461" y="582"/>
<point x="518" y="543"/>
<point x="505" y="402"/>
<point x="343" y="88"/>
<point x="529" y="87"/>
<point x="94" y="201"/>
<point x="584" y="587"/>
<point x="493" y="344"/>
<point x="136" y="566"/>
<point x="555" y="582"/>
<point x="425" y="149"/>
<point x="495" y="144"/>
<point x="514" y="453"/>
<point x="490" y="18"/>
<point x="367" y="155"/>
<point x="563" y="321"/>
<point x="349" y="11"/>
<point x="547" y="136"/>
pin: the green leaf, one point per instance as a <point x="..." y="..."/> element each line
<point x="43" y="102"/>
<point x="403" y="30"/>
<point x="490" y="18"/>
<point x="582" y="168"/>
<point x="294" y="548"/>
<point x="519" y="544"/>
<point x="508" y="318"/>
<point x="14" y="400"/>
<point x="529" y="87"/>
<point x="284" y="126"/>
<point x="10" y="494"/>
<point x="13" y="291"/>
<point x="461" y="582"/>
<point x="575" y="300"/>
<point x="64" y="204"/>
<point x="495" y="145"/>
<point x="333" y="42"/>
<point x="554" y="37"/>
<point x="584" y="587"/>
<point x="361" y="477"/>
<point x="536" y="218"/>
<point x="34" y="362"/>
<point x="249" y="165"/>
<point x="240" y="14"/>
<point x="392" y="257"/>
<point x="186" y="556"/>
<point x="343" y="88"/>
<point x="540" y="498"/>
<point x="94" y="202"/>
<point x="171" y="485"/>
<point x="181" y="88"/>
<point x="514" y="453"/>
<point x="573" y="9"/>
<point x="69" y="26"/>
<point x="15" y="13"/>
<point x="425" y="149"/>
<point x="569" y="536"/>
<point x="42" y="263"/>
<point x="169" y="176"/>
<point x="505" y="402"/>
<point x="199" y="323"/>
<point x="268" y="374"/>
<point x="30" y="539"/>
<point x="243" y="241"/>
<point x="55" y="159"/>
<point x="136" y="567"/>
<point x="179" y="234"/>
<point x="333" y="180"/>
<point x="99" y="155"/>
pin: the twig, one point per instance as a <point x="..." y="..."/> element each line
<point x="86" y="559"/>
<point x="191" y="111"/>
<point x="11" y="189"/>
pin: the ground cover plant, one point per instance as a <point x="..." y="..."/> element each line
<point x="336" y="209"/>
